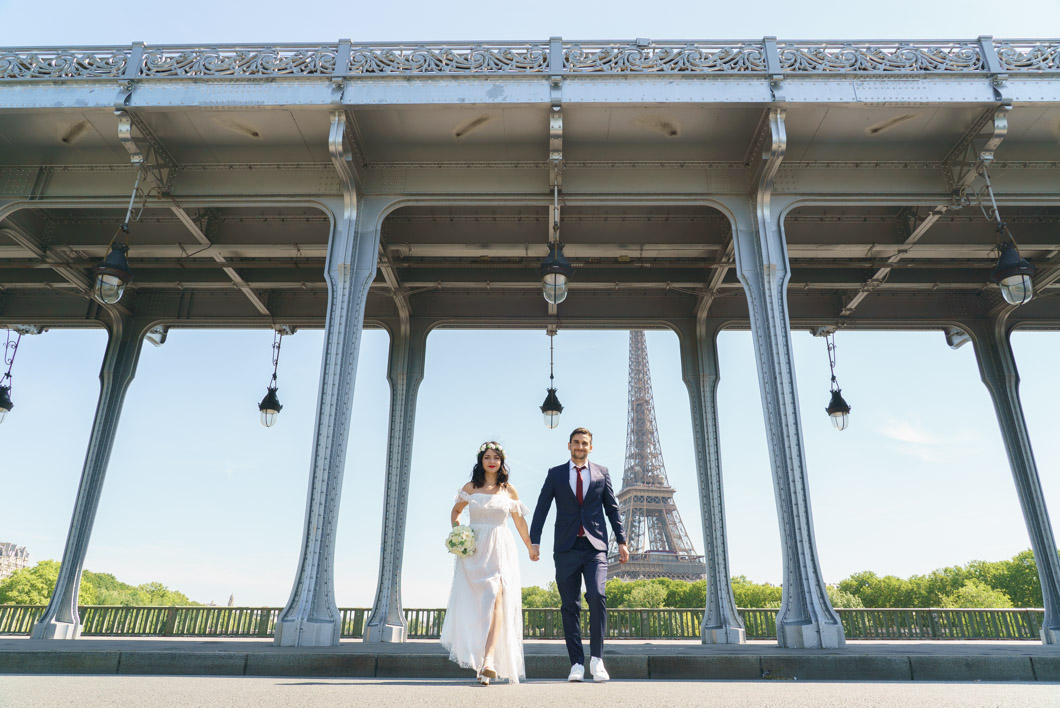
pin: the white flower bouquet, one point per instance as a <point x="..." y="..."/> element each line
<point x="461" y="541"/>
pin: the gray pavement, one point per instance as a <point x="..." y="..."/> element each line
<point x="629" y="660"/>
<point x="210" y="692"/>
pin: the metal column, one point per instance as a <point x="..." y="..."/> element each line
<point x="311" y="617"/>
<point x="806" y="618"/>
<point x="60" y="619"/>
<point x="699" y="365"/>
<point x="997" y="366"/>
<point x="405" y="372"/>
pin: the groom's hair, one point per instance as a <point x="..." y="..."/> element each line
<point x="580" y="431"/>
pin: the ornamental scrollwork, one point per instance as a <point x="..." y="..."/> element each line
<point x="880" y="59"/>
<point x="62" y="65"/>
<point x="662" y="58"/>
<point x="265" y="61"/>
<point x="615" y="58"/>
<point x="1029" y="57"/>
<point x="444" y="60"/>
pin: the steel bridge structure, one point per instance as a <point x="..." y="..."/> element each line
<point x="702" y="185"/>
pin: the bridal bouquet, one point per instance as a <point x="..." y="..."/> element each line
<point x="461" y="541"/>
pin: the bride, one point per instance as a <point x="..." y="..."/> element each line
<point x="483" y="626"/>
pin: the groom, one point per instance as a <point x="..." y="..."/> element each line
<point x="583" y="494"/>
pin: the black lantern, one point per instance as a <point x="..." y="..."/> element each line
<point x="838" y="409"/>
<point x="555" y="271"/>
<point x="10" y="350"/>
<point x="113" y="273"/>
<point x="1013" y="274"/>
<point x="5" y="402"/>
<point x="270" y="405"/>
<point x="551" y="408"/>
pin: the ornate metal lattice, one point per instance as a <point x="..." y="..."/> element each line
<point x="344" y="59"/>
<point x="658" y="543"/>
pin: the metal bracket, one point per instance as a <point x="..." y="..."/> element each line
<point x="992" y="64"/>
<point x="773" y="68"/>
<point x="156" y="336"/>
<point x="27" y="329"/>
<point x="824" y="331"/>
<point x="956" y="337"/>
<point x="153" y="158"/>
<point x="285" y="330"/>
<point x="960" y="174"/>
<point x="555" y="114"/>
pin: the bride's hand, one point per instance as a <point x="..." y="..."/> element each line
<point x="535" y="554"/>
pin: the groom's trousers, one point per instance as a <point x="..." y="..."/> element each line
<point x="583" y="561"/>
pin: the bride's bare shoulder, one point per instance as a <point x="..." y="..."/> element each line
<point x="511" y="491"/>
<point x="469" y="487"/>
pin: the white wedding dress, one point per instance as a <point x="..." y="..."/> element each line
<point x="478" y="580"/>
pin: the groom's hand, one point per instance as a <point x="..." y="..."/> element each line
<point x="623" y="553"/>
<point x="535" y="552"/>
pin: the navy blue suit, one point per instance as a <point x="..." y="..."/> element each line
<point x="580" y="558"/>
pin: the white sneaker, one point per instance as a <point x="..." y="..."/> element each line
<point x="596" y="668"/>
<point x="577" y="673"/>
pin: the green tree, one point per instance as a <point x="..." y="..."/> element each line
<point x="34" y="586"/>
<point x="618" y="592"/>
<point x="648" y="593"/>
<point x="755" y="595"/>
<point x="976" y="593"/>
<point x="841" y="598"/>
<point x="536" y="596"/>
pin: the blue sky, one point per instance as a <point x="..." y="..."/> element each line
<point x="204" y="499"/>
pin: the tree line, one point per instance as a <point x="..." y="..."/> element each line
<point x="989" y="584"/>
<point x="34" y="586"/>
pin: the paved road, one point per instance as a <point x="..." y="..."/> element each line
<point x="208" y="692"/>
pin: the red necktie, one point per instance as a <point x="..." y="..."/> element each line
<point x="578" y="471"/>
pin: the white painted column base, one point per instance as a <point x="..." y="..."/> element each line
<point x="811" y="635"/>
<point x="724" y="635"/>
<point x="54" y="629"/>
<point x="308" y="633"/>
<point x="385" y="633"/>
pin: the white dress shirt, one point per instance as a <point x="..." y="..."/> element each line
<point x="574" y="479"/>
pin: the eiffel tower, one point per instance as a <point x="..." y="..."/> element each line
<point x="659" y="547"/>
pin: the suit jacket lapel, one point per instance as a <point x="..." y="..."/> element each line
<point x="595" y="480"/>
<point x="564" y="481"/>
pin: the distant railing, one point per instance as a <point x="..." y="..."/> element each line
<point x="923" y="624"/>
<point x="344" y="59"/>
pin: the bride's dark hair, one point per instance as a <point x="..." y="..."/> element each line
<point x="478" y="473"/>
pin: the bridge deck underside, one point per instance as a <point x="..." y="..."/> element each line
<point x="238" y="236"/>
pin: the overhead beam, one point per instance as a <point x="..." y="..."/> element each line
<point x="960" y="184"/>
<point x="235" y="277"/>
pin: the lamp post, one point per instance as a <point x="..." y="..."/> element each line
<point x="10" y="349"/>
<point x="270" y="406"/>
<point x="551" y="408"/>
<point x="113" y="272"/>
<point x="1012" y="272"/>
<point x="555" y="271"/>
<point x="838" y="409"/>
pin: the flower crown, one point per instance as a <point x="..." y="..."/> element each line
<point x="491" y="446"/>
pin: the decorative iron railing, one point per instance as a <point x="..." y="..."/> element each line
<point x="346" y="59"/>
<point x="897" y="624"/>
